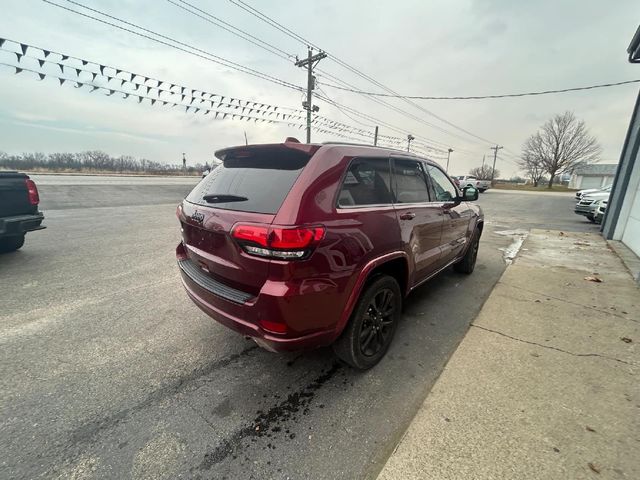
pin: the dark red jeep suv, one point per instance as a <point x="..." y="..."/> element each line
<point x="304" y="245"/>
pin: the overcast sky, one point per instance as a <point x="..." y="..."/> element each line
<point x="434" y="47"/>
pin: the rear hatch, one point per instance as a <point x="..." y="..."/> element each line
<point x="249" y="187"/>
<point x="14" y="197"/>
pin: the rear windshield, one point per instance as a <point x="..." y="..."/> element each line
<point x="251" y="181"/>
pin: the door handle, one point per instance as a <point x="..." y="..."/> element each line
<point x="408" y="216"/>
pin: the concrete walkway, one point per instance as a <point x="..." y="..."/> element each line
<point x="546" y="384"/>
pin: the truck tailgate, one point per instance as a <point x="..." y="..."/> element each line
<point x="14" y="198"/>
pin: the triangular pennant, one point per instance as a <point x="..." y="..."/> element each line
<point x="41" y="75"/>
<point x="126" y="95"/>
<point x="174" y="105"/>
<point x="102" y="67"/>
<point x="46" y="53"/>
<point x="243" y="109"/>
<point x="202" y="101"/>
<point x="186" y="109"/>
<point x="193" y="92"/>
<point x="182" y="98"/>
<point x="93" y="89"/>
<point x="118" y="71"/>
<point x="18" y="70"/>
<point x="61" y="80"/>
<point x="84" y="62"/>
<point x="164" y="103"/>
<point x="148" y="90"/>
<point x="196" y="110"/>
<point x="221" y="99"/>
<point x="79" y="84"/>
<point x="159" y="83"/>
<point x="78" y="71"/>
<point x="61" y="67"/>
<point x="41" y="62"/>
<point x="224" y="116"/>
<point x="19" y="56"/>
<point x="139" y="99"/>
<point x="192" y="99"/>
<point x="109" y="78"/>
<point x="122" y="82"/>
<point x="153" y="100"/>
<point x="93" y="76"/>
<point x="159" y="92"/>
<point x="211" y="102"/>
<point x="64" y="57"/>
<point x="137" y="85"/>
<point x="111" y="92"/>
<point x="182" y="89"/>
<point x="132" y="77"/>
<point x="145" y="79"/>
<point x="217" y="113"/>
<point x="2" y="40"/>
<point x="206" y="112"/>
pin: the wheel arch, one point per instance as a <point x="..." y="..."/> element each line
<point x="395" y="264"/>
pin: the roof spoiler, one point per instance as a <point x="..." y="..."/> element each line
<point x="290" y="143"/>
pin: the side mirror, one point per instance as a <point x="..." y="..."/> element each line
<point x="469" y="194"/>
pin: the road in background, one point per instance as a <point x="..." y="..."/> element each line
<point x="109" y="370"/>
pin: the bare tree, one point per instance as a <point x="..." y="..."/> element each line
<point x="484" y="173"/>
<point x="562" y="144"/>
<point x="534" y="167"/>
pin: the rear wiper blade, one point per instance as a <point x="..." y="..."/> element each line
<point x="223" y="198"/>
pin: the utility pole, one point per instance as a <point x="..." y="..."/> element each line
<point x="310" y="62"/>
<point x="483" y="161"/>
<point x="184" y="164"/>
<point x="409" y="138"/>
<point x="448" y="156"/>
<point x="495" y="155"/>
<point x="375" y="137"/>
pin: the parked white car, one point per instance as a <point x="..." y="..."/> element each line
<point x="589" y="191"/>
<point x="588" y="204"/>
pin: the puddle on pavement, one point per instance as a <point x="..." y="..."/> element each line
<point x="510" y="252"/>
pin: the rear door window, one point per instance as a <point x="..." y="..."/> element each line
<point x="410" y="181"/>
<point x="257" y="181"/>
<point x="367" y="182"/>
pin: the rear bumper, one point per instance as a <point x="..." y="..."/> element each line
<point x="267" y="340"/>
<point x="21" y="224"/>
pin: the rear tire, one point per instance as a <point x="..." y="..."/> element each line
<point x="482" y="190"/>
<point x="11" y="244"/>
<point x="468" y="262"/>
<point x="591" y="218"/>
<point x="372" y="325"/>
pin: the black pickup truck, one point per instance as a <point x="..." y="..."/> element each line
<point x="19" y="212"/>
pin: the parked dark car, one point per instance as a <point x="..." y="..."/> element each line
<point x="305" y="245"/>
<point x="19" y="212"/>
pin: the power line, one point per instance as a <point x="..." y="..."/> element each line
<point x="208" y="17"/>
<point x="262" y="16"/>
<point x="202" y="53"/>
<point x="483" y="97"/>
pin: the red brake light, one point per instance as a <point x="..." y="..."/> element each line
<point x="251" y="233"/>
<point x="287" y="243"/>
<point x="32" y="191"/>
<point x="293" y="238"/>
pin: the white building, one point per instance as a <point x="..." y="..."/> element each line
<point x="622" y="217"/>
<point x="598" y="175"/>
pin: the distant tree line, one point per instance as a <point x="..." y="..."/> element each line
<point x="92" y="161"/>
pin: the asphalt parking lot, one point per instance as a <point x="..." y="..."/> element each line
<point x="109" y="371"/>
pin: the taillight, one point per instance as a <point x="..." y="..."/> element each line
<point x="32" y="191"/>
<point x="284" y="243"/>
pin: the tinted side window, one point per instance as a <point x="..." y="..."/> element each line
<point x="367" y="182"/>
<point x="444" y="189"/>
<point x="410" y="181"/>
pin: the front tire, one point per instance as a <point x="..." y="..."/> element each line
<point x="11" y="244"/>
<point x="468" y="262"/>
<point x="372" y="325"/>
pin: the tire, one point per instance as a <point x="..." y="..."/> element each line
<point x="11" y="244"/>
<point x="591" y="218"/>
<point x="482" y="190"/>
<point x="372" y="325"/>
<point x="468" y="263"/>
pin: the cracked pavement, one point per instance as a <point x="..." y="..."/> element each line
<point x="109" y="371"/>
<point x="546" y="383"/>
